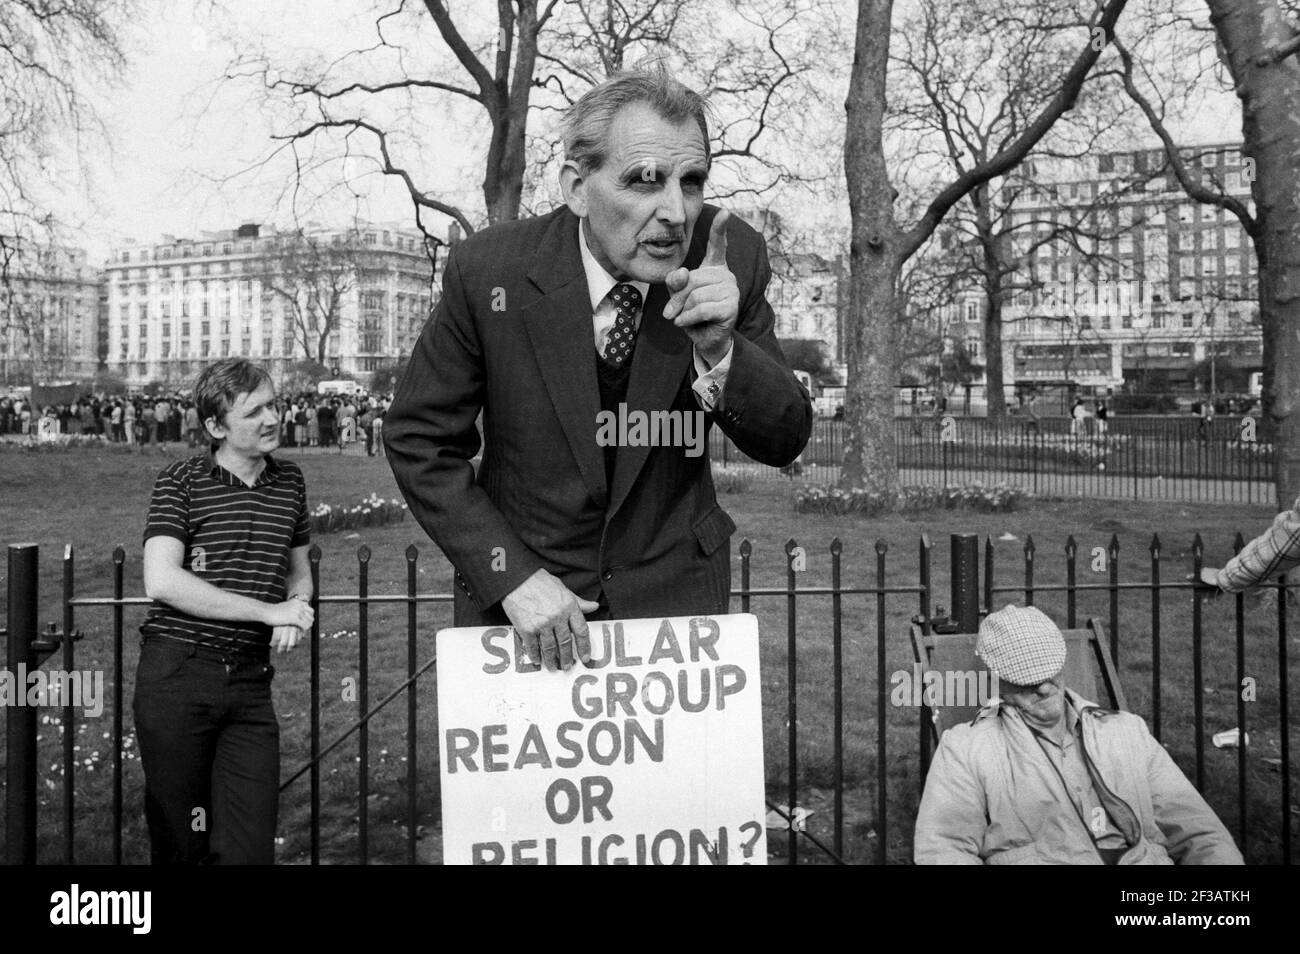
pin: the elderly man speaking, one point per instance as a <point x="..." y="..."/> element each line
<point x="1042" y="776"/>
<point x="601" y="342"/>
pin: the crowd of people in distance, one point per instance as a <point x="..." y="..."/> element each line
<point x="307" y="419"/>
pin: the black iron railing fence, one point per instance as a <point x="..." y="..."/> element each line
<point x="1146" y="613"/>
<point x="1227" y="459"/>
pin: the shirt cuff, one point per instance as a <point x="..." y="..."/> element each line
<point x="710" y="382"/>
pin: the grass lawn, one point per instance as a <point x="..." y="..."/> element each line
<point x="97" y="499"/>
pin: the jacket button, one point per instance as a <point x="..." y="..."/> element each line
<point x="607" y="575"/>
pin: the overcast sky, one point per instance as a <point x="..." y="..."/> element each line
<point x="173" y="141"/>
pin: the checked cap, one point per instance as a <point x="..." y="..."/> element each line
<point x="1022" y="645"/>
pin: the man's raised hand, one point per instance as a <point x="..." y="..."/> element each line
<point x="548" y="619"/>
<point x="705" y="302"/>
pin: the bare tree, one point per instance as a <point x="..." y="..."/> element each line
<point x="1256" y="42"/>
<point x="51" y="52"/>
<point x="972" y="90"/>
<point x="312" y="278"/>
<point x="880" y="245"/>
<point x="373" y="102"/>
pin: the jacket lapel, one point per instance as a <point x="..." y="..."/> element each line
<point x="661" y="360"/>
<point x="659" y="363"/>
<point x="559" y="328"/>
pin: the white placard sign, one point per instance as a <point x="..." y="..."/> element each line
<point x="651" y="754"/>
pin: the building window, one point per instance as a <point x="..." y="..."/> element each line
<point x="1187" y="319"/>
<point x="1209" y="265"/>
<point x="1187" y="266"/>
<point x="1186" y="213"/>
<point x="1232" y="237"/>
<point x="1209" y="213"/>
<point x="1186" y="241"/>
<point x="1157" y="319"/>
<point x="1231" y="265"/>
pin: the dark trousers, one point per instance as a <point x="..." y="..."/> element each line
<point x="210" y="748"/>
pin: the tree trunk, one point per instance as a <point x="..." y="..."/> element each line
<point x="993" y="372"/>
<point x="1247" y="29"/>
<point x="991" y="265"/>
<point x="874" y="265"/>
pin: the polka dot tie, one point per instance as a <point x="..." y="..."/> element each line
<point x="618" y="346"/>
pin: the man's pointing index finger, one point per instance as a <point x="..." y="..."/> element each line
<point x="716" y="253"/>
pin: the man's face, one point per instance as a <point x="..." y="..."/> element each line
<point x="251" y="427"/>
<point x="1042" y="706"/>
<point x="640" y="206"/>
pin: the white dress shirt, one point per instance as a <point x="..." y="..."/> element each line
<point x="709" y="382"/>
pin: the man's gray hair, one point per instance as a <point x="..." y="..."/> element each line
<point x="585" y="128"/>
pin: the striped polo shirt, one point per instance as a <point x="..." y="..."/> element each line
<point x="236" y="537"/>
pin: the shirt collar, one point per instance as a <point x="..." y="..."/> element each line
<point x="599" y="281"/>
<point x="269" y="472"/>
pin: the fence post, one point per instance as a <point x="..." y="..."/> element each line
<point x="20" y="720"/>
<point x="966" y="581"/>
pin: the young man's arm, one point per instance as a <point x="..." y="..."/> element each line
<point x="167" y="581"/>
<point x="298" y="586"/>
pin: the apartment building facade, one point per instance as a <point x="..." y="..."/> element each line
<point x="355" y="297"/>
<point x="49" y="315"/>
<point x="1122" y="280"/>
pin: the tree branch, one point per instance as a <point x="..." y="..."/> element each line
<point x="1011" y="155"/>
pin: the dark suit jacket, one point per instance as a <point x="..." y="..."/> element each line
<point x="512" y="335"/>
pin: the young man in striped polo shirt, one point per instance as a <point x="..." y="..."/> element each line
<point x="225" y="561"/>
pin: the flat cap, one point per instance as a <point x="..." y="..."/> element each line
<point x="1022" y="645"/>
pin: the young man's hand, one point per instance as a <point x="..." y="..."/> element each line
<point x="292" y="612"/>
<point x="284" y="638"/>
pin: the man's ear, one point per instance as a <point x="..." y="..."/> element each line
<point x="574" y="185"/>
<point x="215" y="429"/>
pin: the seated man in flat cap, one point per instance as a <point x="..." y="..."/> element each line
<point x="1042" y="776"/>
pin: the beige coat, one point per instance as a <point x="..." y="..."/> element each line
<point x="992" y="797"/>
